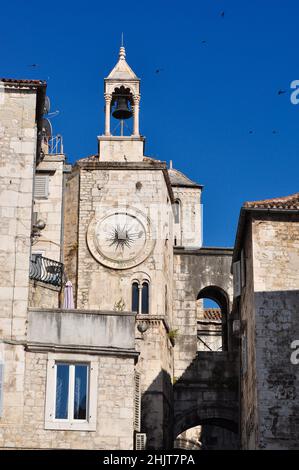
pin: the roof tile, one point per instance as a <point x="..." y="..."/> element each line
<point x="287" y="202"/>
<point x="212" y="314"/>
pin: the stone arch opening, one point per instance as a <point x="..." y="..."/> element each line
<point x="212" y="331"/>
<point x="122" y="109"/>
<point x="208" y="429"/>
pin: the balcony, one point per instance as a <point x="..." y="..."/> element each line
<point x="46" y="270"/>
<point x="85" y="330"/>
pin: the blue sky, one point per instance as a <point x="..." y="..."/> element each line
<point x="213" y="107"/>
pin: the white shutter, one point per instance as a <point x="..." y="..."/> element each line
<point x="1" y="386"/>
<point x="41" y="186"/>
<point x="237" y="278"/>
<point x="140" y="441"/>
<point x="137" y="402"/>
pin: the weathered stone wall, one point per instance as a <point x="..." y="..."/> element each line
<point x="24" y="418"/>
<point x="79" y="328"/>
<point x="13" y="358"/>
<point x="207" y="393"/>
<point x="193" y="271"/>
<point x="50" y="209"/>
<point x="276" y="300"/>
<point x="17" y="147"/>
<point x="276" y="245"/>
<point x="100" y="287"/>
<point x="188" y="232"/>
<point x="43" y="296"/>
<point x="248" y="394"/>
<point x="155" y="365"/>
<point x="121" y="149"/>
<point x="71" y="218"/>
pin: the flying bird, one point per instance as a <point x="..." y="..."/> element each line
<point x="204" y="41"/>
<point x="274" y="131"/>
<point x="251" y="131"/>
<point x="159" y="70"/>
<point x="33" y="65"/>
<point x="222" y="13"/>
<point x="281" y="92"/>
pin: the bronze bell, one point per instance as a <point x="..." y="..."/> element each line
<point x="122" y="110"/>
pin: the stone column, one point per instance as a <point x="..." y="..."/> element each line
<point x="108" y="98"/>
<point x="136" y="100"/>
<point x="139" y="298"/>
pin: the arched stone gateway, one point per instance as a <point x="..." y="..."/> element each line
<point x="206" y="380"/>
<point x="226" y="418"/>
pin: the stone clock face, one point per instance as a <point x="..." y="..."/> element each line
<point x="120" y="239"/>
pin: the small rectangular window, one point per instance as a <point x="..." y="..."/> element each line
<point x="72" y="389"/>
<point x="41" y="186"/>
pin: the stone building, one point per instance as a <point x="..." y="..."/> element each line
<point x="106" y="337"/>
<point x="61" y="371"/>
<point x="266" y="263"/>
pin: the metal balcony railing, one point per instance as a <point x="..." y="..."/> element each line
<point x="46" y="270"/>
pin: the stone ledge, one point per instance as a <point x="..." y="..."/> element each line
<point x="50" y="347"/>
<point x="81" y="311"/>
<point x="204" y="251"/>
<point x="99" y="165"/>
<point x="44" y="285"/>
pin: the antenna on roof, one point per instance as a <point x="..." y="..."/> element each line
<point x="122" y="39"/>
<point x="170" y="164"/>
<point x="46" y="129"/>
<point x="47" y="105"/>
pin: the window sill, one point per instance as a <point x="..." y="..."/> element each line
<point x="71" y="425"/>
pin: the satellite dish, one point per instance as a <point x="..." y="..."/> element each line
<point x="47" y="105"/>
<point x="47" y="128"/>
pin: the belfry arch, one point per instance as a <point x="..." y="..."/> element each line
<point x="217" y="317"/>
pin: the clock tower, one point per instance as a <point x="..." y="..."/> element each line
<point x="119" y="248"/>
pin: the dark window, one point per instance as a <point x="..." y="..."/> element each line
<point x="145" y="302"/>
<point x="135" y="297"/>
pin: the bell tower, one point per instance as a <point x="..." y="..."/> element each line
<point x="122" y="96"/>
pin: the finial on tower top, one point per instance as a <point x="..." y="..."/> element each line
<point x="122" y="50"/>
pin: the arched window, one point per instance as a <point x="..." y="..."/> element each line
<point x="140" y="297"/>
<point x="212" y="311"/>
<point x="177" y="211"/>
<point x="135" y="297"/>
<point x="145" y="298"/>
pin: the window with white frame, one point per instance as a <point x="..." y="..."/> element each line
<point x="140" y="297"/>
<point x="71" y="393"/>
